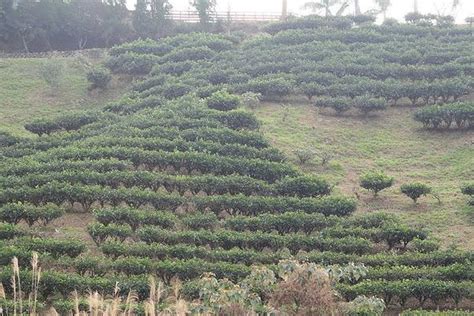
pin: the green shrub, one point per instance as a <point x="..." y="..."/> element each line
<point x="376" y="182"/>
<point x="251" y="99"/>
<point x="304" y="155"/>
<point x="415" y="190"/>
<point x="272" y="86"/>
<point x="468" y="189"/>
<point x="99" y="78"/>
<point x="338" y="104"/>
<point x="366" y="306"/>
<point x="425" y="245"/>
<point x="367" y="104"/>
<point x="51" y="72"/>
<point x="304" y="186"/>
<point x="223" y="101"/>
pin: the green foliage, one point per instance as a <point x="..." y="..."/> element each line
<point x="461" y="115"/>
<point x="272" y="86"/>
<point x="223" y="101"/>
<point x="51" y="72"/>
<point x="99" y="78"/>
<point x="13" y="213"/>
<point x="415" y="190"/>
<point x="366" y="104"/>
<point x="338" y="104"/>
<point x="304" y="186"/>
<point x="366" y="306"/>
<point x="250" y="99"/>
<point x="67" y="122"/>
<point x="100" y="232"/>
<point x="376" y="181"/>
<point x="304" y="155"/>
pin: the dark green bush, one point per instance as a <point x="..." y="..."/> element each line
<point x="338" y="104"/>
<point x="99" y="78"/>
<point x="223" y="101"/>
<point x="376" y="182"/>
<point x="415" y="190"/>
<point x="367" y="104"/>
<point x="303" y="186"/>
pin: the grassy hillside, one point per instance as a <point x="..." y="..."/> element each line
<point x="24" y="95"/>
<point x="392" y="142"/>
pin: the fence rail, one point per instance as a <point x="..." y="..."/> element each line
<point x="193" y="16"/>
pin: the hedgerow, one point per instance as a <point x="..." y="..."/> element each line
<point x="458" y="115"/>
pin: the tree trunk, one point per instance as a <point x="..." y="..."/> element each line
<point x="25" y="44"/>
<point x="357" y="7"/>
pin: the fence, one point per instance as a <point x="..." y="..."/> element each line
<point x="193" y="16"/>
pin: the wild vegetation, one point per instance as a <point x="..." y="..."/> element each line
<point x="181" y="184"/>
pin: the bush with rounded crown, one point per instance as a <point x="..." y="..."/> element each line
<point x="223" y="101"/>
<point x="376" y="182"/>
<point x="415" y="190"/>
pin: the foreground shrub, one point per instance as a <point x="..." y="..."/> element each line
<point x="223" y="101"/>
<point x="99" y="78"/>
<point x="305" y="290"/>
<point x="366" y="306"/>
<point x="415" y="190"/>
<point x="376" y="182"/>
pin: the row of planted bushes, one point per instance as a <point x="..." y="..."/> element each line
<point x="13" y="213"/>
<point x="59" y="193"/>
<point x="392" y="235"/>
<point x="23" y="246"/>
<point x="67" y="122"/>
<point x="373" y="228"/>
<point x="191" y="161"/>
<point x="191" y="133"/>
<point x="288" y="222"/>
<point x="302" y="186"/>
<point x="29" y="166"/>
<point x="461" y="115"/>
<point x="400" y="291"/>
<point x="232" y="150"/>
<point x="254" y="240"/>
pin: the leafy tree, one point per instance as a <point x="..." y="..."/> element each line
<point x="204" y="9"/>
<point x="51" y="72"/>
<point x="384" y="4"/>
<point x="376" y="182"/>
<point x="149" y="18"/>
<point x="326" y="5"/>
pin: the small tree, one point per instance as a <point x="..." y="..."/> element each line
<point x="51" y="72"/>
<point x="304" y="155"/>
<point x="99" y="78"/>
<point x="376" y="182"/>
<point x="204" y="9"/>
<point x="250" y="99"/>
<point x="415" y="190"/>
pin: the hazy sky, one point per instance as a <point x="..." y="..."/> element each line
<point x="398" y="9"/>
